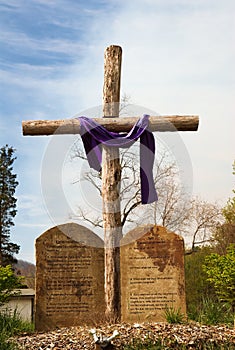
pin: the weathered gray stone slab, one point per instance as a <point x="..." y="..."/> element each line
<point x="69" y="277"/>
<point x="152" y="274"/>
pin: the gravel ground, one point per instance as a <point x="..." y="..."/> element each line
<point x="76" y="338"/>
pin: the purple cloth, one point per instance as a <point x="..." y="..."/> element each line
<point x="94" y="135"/>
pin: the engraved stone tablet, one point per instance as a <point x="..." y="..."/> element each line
<point x="152" y="274"/>
<point x="69" y="277"/>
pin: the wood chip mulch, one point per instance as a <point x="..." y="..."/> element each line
<point x="193" y="336"/>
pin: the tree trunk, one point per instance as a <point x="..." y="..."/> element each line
<point x="111" y="177"/>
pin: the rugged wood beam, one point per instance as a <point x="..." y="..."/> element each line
<point x="72" y="126"/>
<point x="111" y="178"/>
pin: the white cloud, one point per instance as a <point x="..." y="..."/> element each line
<point x="38" y="46"/>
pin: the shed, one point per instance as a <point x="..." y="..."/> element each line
<point x="23" y="303"/>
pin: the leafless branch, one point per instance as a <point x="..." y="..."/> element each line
<point x="85" y="216"/>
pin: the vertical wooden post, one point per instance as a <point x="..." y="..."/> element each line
<point x="111" y="176"/>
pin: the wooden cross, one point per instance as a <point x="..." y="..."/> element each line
<point x="111" y="169"/>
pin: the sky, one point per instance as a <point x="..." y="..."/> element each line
<point x="178" y="58"/>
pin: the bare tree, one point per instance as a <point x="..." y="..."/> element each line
<point x="170" y="209"/>
<point x="204" y="218"/>
<point x="192" y="218"/>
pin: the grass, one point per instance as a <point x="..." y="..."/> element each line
<point x="213" y="313"/>
<point x="10" y="325"/>
<point x="173" y="315"/>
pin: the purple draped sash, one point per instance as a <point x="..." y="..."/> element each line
<point x="94" y="135"/>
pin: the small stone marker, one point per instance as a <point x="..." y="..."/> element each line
<point x="152" y="274"/>
<point x="69" y="277"/>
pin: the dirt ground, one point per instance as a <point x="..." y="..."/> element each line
<point x="76" y="338"/>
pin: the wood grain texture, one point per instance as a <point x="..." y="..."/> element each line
<point x="111" y="178"/>
<point x="72" y="126"/>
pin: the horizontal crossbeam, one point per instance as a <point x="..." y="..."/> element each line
<point x="72" y="126"/>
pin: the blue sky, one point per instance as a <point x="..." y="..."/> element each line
<point x="178" y="58"/>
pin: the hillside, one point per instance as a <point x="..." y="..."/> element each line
<point x="26" y="269"/>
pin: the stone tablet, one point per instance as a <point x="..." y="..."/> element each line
<point x="69" y="277"/>
<point x="152" y="274"/>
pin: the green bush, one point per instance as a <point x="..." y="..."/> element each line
<point x="197" y="286"/>
<point x="220" y="270"/>
<point x="9" y="283"/>
<point x="203" y="303"/>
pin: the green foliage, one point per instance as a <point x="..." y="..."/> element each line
<point x="197" y="286"/>
<point x="8" y="211"/>
<point x="220" y="270"/>
<point x="173" y="315"/>
<point x="224" y="234"/>
<point x="229" y="209"/>
<point x="10" y="325"/>
<point x="9" y="282"/>
<point x="214" y="312"/>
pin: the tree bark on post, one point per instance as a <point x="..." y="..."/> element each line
<point x="161" y="123"/>
<point x="111" y="177"/>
